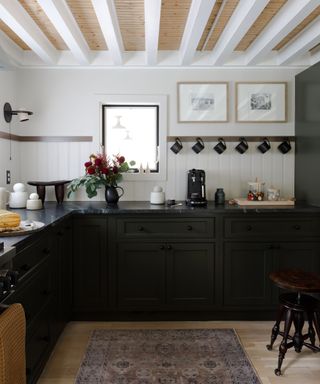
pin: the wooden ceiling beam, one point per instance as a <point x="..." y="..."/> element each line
<point x="200" y="11"/>
<point x="293" y="12"/>
<point x="241" y="20"/>
<point x="61" y="17"/>
<point x="301" y="45"/>
<point x="18" y="19"/>
<point x="107" y="17"/>
<point x="152" y="14"/>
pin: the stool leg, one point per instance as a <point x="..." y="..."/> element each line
<point x="298" y="324"/>
<point x="276" y="327"/>
<point x="283" y="346"/>
<point x="59" y="191"/>
<point x="311" y="332"/>
<point x="316" y="321"/>
<point x="41" y="191"/>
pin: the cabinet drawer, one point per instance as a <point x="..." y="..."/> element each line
<point x="165" y="228"/>
<point x="26" y="260"/>
<point x="35" y="293"/>
<point x="275" y="227"/>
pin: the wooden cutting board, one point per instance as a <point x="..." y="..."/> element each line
<point x="244" y="201"/>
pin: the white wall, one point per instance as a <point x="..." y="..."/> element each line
<point x="65" y="102"/>
<point x="8" y="89"/>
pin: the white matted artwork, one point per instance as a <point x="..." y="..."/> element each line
<point x="261" y="102"/>
<point x="202" y="102"/>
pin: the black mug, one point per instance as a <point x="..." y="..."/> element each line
<point x="176" y="146"/>
<point x="242" y="146"/>
<point x="198" y="146"/>
<point x="285" y="146"/>
<point x="264" y="146"/>
<point x="221" y="146"/>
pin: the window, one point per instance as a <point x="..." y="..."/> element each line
<point x="133" y="131"/>
<point x="136" y="127"/>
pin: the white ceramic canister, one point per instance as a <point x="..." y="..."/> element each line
<point x="18" y="198"/>
<point x="157" y="195"/>
<point x="4" y="198"/>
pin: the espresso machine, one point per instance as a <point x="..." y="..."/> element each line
<point x="196" y="188"/>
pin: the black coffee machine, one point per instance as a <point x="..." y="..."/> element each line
<point x="196" y="188"/>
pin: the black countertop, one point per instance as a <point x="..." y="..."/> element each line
<point x="53" y="212"/>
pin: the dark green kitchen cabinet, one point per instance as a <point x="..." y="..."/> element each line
<point x="141" y="269"/>
<point x="165" y="275"/>
<point x="246" y="269"/>
<point x="90" y="263"/>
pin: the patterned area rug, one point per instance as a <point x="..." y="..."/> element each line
<point x="184" y="356"/>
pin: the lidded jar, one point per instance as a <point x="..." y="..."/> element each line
<point x="219" y="196"/>
<point x="157" y="195"/>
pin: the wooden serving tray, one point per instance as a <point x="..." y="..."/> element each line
<point x="26" y="227"/>
<point x="245" y="201"/>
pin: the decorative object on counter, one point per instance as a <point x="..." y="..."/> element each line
<point x="196" y="188"/>
<point x="25" y="227"/>
<point x="219" y="196"/>
<point x="242" y="146"/>
<point x="221" y="146"/>
<point x="198" y="146"/>
<point x="4" y="197"/>
<point x="255" y="190"/>
<point x="34" y="202"/>
<point x="9" y="219"/>
<point x="176" y="146"/>
<point x="273" y="194"/>
<point x="102" y="171"/>
<point x="22" y="113"/>
<point x="243" y="201"/>
<point x="261" y="102"/>
<point x="58" y="188"/>
<point x="264" y="146"/>
<point x="202" y="102"/>
<point x="171" y="202"/>
<point x="18" y="198"/>
<point x="285" y="146"/>
<point x="157" y="196"/>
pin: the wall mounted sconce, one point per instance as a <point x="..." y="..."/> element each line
<point x="8" y="112"/>
<point x="242" y="146"/>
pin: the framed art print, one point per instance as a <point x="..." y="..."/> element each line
<point x="261" y="102"/>
<point x="202" y="102"/>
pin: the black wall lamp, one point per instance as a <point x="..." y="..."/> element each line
<point x="8" y="112"/>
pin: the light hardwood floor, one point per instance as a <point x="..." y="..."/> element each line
<point x="302" y="368"/>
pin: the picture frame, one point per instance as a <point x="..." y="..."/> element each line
<point x="264" y="102"/>
<point x="202" y="102"/>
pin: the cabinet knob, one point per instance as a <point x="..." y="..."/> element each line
<point x="46" y="251"/>
<point x="162" y="247"/>
<point x="189" y="227"/>
<point x="60" y="233"/>
<point x="140" y="228"/>
<point x="297" y="227"/>
<point x="25" y="267"/>
<point x="169" y="247"/>
<point x="249" y="228"/>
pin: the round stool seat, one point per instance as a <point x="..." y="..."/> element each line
<point x="296" y="280"/>
<point x="296" y="307"/>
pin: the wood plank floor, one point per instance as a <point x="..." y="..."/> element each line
<point x="298" y="368"/>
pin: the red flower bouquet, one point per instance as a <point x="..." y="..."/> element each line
<point x="100" y="171"/>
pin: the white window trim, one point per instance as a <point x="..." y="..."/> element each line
<point x="161" y="101"/>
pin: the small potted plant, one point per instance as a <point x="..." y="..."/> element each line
<point x="102" y="171"/>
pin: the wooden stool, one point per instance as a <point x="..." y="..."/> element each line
<point x="58" y="186"/>
<point x="295" y="307"/>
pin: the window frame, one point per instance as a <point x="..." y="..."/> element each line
<point x="142" y="99"/>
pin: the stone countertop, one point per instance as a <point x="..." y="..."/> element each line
<point x="53" y="212"/>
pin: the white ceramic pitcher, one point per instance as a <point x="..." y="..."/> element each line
<point x="4" y="198"/>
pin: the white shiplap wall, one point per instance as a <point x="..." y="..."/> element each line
<point x="231" y="171"/>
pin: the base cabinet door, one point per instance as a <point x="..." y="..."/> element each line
<point x="304" y="255"/>
<point x="190" y="275"/>
<point x="90" y="264"/>
<point x="140" y="276"/>
<point x="246" y="269"/>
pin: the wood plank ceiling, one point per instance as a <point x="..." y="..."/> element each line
<point x="159" y="32"/>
